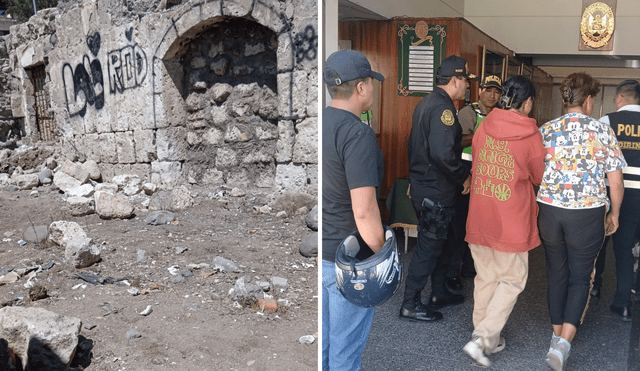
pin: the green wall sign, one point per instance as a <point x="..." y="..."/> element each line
<point x="421" y="48"/>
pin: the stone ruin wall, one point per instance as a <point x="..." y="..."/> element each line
<point x="9" y="131"/>
<point x="207" y="92"/>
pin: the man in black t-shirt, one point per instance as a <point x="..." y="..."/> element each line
<point x="352" y="170"/>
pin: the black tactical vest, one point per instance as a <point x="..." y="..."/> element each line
<point x="626" y="125"/>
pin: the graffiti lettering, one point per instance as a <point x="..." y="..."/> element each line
<point x="127" y="68"/>
<point x="80" y="88"/>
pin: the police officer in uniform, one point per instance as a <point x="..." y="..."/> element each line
<point x="625" y="122"/>
<point x="470" y="118"/>
<point x="435" y="171"/>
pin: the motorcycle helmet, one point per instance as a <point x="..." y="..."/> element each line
<point x="366" y="279"/>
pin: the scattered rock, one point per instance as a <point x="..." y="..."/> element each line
<point x="65" y="182"/>
<point x="178" y="279"/>
<point x="91" y="167"/>
<point x="186" y="272"/>
<point x="309" y="245"/>
<point x="180" y="250"/>
<point x="37" y="234"/>
<point x="147" y="311"/>
<point x="37" y="292"/>
<point x="85" y="190"/>
<point x="312" y="219"/>
<point x="89" y="326"/>
<point x="160" y="217"/>
<point x="246" y="290"/>
<point x="80" y="206"/>
<point x="307" y="339"/>
<point x="37" y="336"/>
<point x="141" y="255"/>
<point x="109" y="206"/>
<point x="133" y="334"/>
<point x="237" y="192"/>
<point x="224" y="265"/>
<point x="182" y="198"/>
<point x="62" y="231"/>
<point x="149" y="188"/>
<point x="80" y="252"/>
<point x="281" y="214"/>
<point x="280" y="283"/>
<point x="10" y="277"/>
<point x="27" y="181"/>
<point x="133" y="291"/>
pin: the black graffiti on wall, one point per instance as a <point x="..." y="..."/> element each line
<point x="84" y="85"/>
<point x="307" y="44"/>
<point x="127" y="68"/>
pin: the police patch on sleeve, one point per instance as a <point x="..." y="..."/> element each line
<point x="447" y="117"/>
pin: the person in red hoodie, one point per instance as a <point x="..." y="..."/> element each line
<point x="508" y="159"/>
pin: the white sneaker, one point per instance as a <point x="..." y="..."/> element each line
<point x="500" y="347"/>
<point x="558" y="354"/>
<point x="474" y="350"/>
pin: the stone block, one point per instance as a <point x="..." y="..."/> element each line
<point x="37" y="336"/>
<point x="286" y="54"/>
<point x="81" y="206"/>
<point x="81" y="253"/>
<point x="237" y="8"/>
<point x="312" y="96"/>
<point x="108" y="148"/>
<point x="109" y="206"/>
<point x="125" y="147"/>
<point x="286" y="138"/>
<point x="91" y="147"/>
<point x="166" y="173"/>
<point x="260" y="154"/>
<point x="225" y="158"/>
<point x="305" y="149"/>
<point x="238" y="177"/>
<point x="270" y="13"/>
<point x="292" y="94"/>
<point x="220" y="116"/>
<point x="144" y="142"/>
<point x="291" y="177"/>
<point x="171" y="144"/>
<point x="265" y="175"/>
<point x="27" y="181"/>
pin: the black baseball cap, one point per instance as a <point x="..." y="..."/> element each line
<point x="455" y="66"/>
<point x="347" y="65"/>
<point x="491" y="81"/>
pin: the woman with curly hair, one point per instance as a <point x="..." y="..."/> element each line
<point x="575" y="212"/>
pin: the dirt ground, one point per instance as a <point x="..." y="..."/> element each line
<point x="194" y="325"/>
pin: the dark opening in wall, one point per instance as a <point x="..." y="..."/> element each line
<point x="233" y="51"/>
<point x="44" y="121"/>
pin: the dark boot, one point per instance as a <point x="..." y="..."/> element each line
<point x="413" y="309"/>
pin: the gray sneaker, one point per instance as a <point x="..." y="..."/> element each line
<point x="558" y="354"/>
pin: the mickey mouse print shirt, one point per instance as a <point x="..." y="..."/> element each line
<point x="580" y="151"/>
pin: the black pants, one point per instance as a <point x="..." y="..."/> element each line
<point x="623" y="241"/>
<point x="572" y="239"/>
<point x="431" y="258"/>
<point x="461" y="255"/>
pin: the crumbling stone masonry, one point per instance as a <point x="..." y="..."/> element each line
<point x="202" y="92"/>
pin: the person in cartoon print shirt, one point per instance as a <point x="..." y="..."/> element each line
<point x="571" y="215"/>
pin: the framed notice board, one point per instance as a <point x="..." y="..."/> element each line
<point x="421" y="48"/>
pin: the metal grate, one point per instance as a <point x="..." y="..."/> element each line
<point x="43" y="120"/>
